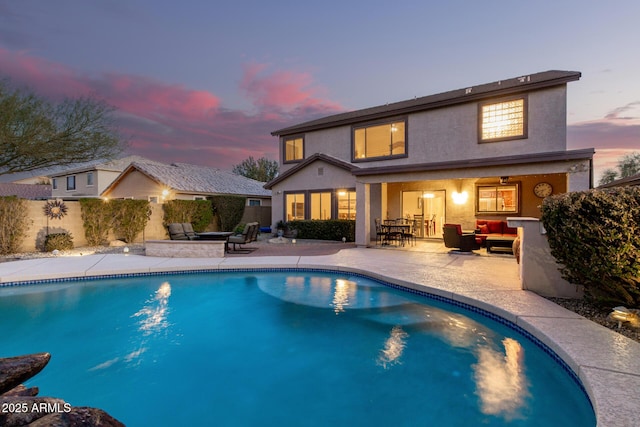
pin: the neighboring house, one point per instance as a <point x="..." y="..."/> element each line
<point x="26" y="191"/>
<point x="158" y="182"/>
<point x="489" y="151"/>
<point x="88" y="179"/>
<point x="629" y="181"/>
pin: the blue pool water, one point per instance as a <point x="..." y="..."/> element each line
<point x="282" y="348"/>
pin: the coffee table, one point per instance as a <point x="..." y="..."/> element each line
<point x="500" y="244"/>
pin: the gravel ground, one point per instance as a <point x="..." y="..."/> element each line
<point x="598" y="315"/>
<point x="583" y="308"/>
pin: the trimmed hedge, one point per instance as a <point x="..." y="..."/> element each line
<point x="197" y="212"/>
<point x="14" y="223"/>
<point x="130" y="217"/>
<point x="97" y="220"/>
<point x="595" y="236"/>
<point x="229" y="210"/>
<point x="59" y="241"/>
<point x="324" y="229"/>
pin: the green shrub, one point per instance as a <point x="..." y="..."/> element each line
<point x="130" y="217"/>
<point x="229" y="210"/>
<point x="97" y="220"/>
<point x="59" y="241"/>
<point x="198" y="212"/>
<point x="334" y="229"/>
<point x="14" y="224"/>
<point x="595" y="236"/>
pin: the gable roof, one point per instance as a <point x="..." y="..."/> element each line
<point x="26" y="191"/>
<point x="623" y="182"/>
<point x="116" y="165"/>
<point x="317" y="156"/>
<point x="186" y="178"/>
<point x="459" y="96"/>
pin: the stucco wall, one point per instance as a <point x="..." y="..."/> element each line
<point x="451" y="133"/>
<point x="136" y="185"/>
<point x="101" y="180"/>
<point x="332" y="177"/>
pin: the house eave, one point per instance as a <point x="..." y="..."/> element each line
<point x="557" y="156"/>
<point x="471" y="94"/>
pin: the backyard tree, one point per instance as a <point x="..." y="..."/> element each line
<point x="628" y="165"/>
<point x="35" y="133"/>
<point x="262" y="170"/>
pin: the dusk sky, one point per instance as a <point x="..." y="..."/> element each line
<point x="206" y="82"/>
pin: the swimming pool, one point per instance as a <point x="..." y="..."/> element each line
<point x="283" y="348"/>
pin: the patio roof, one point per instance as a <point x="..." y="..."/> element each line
<point x="520" y="159"/>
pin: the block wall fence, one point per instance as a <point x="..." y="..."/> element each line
<point x="40" y="225"/>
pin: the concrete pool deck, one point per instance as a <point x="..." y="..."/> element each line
<point x="607" y="363"/>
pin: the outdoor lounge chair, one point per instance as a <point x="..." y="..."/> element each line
<point x="176" y="231"/>
<point x="188" y="231"/>
<point x="249" y="234"/>
<point x="456" y="239"/>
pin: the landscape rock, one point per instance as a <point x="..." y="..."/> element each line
<point x="78" y="416"/>
<point x="23" y="410"/>
<point x="15" y="370"/>
<point x="21" y="390"/>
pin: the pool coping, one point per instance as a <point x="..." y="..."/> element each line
<point x="609" y="374"/>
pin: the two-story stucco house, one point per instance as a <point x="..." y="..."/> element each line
<point x="89" y="179"/>
<point x="487" y="151"/>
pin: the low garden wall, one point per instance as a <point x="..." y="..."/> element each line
<point x="41" y="225"/>
<point x="185" y="248"/>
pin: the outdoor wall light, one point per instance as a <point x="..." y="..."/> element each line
<point x="460" y="198"/>
<point x="165" y="193"/>
<point x="504" y="180"/>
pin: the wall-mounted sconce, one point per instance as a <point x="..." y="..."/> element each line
<point x="460" y="198"/>
<point x="165" y="193"/>
<point x="504" y="180"/>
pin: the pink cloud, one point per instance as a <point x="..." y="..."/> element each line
<point x="282" y="90"/>
<point x="617" y="134"/>
<point x="168" y="122"/>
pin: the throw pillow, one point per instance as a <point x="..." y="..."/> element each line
<point x="484" y="229"/>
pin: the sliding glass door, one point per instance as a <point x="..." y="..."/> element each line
<point x="427" y="208"/>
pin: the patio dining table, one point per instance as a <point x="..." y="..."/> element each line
<point x="391" y="230"/>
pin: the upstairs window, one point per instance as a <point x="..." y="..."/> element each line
<point x="89" y="179"/>
<point x="500" y="121"/>
<point x="71" y="182"/>
<point x="293" y="149"/>
<point x="54" y="183"/>
<point x="378" y="141"/>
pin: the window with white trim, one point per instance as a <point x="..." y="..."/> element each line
<point x="71" y="182"/>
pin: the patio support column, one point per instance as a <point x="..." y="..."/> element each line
<point x="363" y="214"/>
